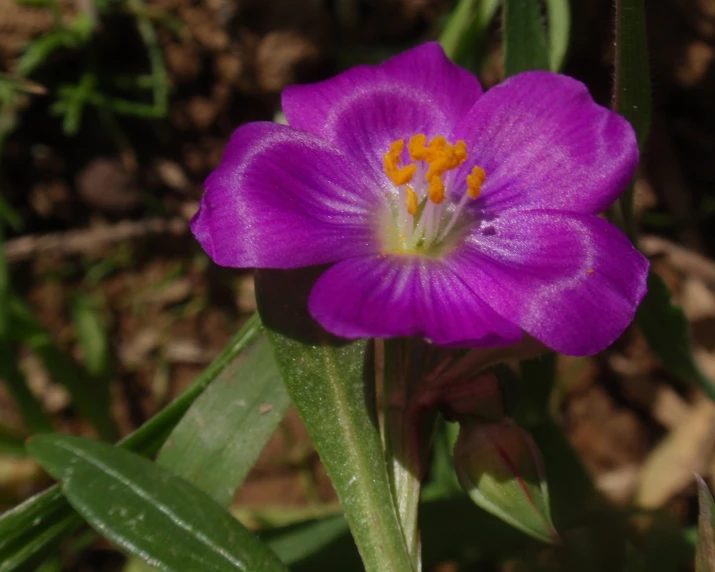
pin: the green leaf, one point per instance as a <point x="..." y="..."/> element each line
<point x="25" y="328"/>
<point x="91" y="335"/>
<point x="464" y="33"/>
<point x="220" y="437"/>
<point x="305" y="539"/>
<point x="525" y="46"/>
<point x="4" y="284"/>
<point x="559" y="14"/>
<point x="705" y="551"/>
<point x="32" y="412"/>
<point x="667" y="331"/>
<point x="147" y="511"/>
<point x="33" y="530"/>
<point x="11" y="216"/>
<point x="326" y="379"/>
<point x="632" y="91"/>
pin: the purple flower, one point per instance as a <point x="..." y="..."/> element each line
<point x="462" y="217"/>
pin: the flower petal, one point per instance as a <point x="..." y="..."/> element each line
<point x="366" y="108"/>
<point x="283" y="198"/>
<point x="401" y="295"/>
<point x="572" y="281"/>
<point x="545" y="144"/>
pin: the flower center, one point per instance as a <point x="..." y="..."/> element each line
<point x="424" y="218"/>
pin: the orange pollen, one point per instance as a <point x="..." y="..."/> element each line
<point x="391" y="163"/>
<point x="411" y="201"/>
<point x="440" y="157"/>
<point x="435" y="192"/>
<point x="475" y="180"/>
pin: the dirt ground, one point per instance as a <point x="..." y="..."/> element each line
<point x="106" y="212"/>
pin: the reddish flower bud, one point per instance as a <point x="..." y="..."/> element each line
<point x="500" y="467"/>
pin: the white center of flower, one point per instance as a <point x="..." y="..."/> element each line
<point x="424" y="217"/>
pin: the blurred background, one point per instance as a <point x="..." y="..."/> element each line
<point x="112" y="113"/>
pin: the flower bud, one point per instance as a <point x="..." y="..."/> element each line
<point x="500" y="467"/>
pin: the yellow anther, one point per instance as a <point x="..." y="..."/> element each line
<point x="437" y="143"/>
<point x="475" y="180"/>
<point x="435" y="191"/>
<point x="396" y="148"/>
<point x="416" y="147"/>
<point x="391" y="164"/>
<point x="399" y="175"/>
<point x="411" y="201"/>
<point x="460" y="151"/>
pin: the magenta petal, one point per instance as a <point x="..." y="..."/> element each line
<point x="282" y="198"/>
<point x="572" y="281"/>
<point x="366" y="108"/>
<point x="545" y="144"/>
<point x="400" y="295"/>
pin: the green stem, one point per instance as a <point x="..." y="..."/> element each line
<point x="401" y="441"/>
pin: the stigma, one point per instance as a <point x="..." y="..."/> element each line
<point x="423" y="183"/>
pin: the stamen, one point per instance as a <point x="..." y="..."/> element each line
<point x="411" y="201"/>
<point x="435" y="192"/>
<point x="431" y="173"/>
<point x="475" y="180"/>
<point x="474" y="187"/>
<point x="391" y="164"/>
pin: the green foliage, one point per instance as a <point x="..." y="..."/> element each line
<point x="89" y="400"/>
<point x="32" y="412"/>
<point x="33" y="530"/>
<point x="525" y="45"/>
<point x="92" y="336"/>
<point x="502" y="471"/>
<point x="220" y="437"/>
<point x="667" y="332"/>
<point x="705" y="553"/>
<point x="632" y="91"/>
<point x="147" y="510"/>
<point x="326" y="380"/>
<point x="464" y="35"/>
<point x="559" y="16"/>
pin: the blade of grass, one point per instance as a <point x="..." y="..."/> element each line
<point x="220" y="437"/>
<point x="525" y="46"/>
<point x="667" y="331"/>
<point x="30" y="532"/>
<point x="34" y="415"/>
<point x="4" y="284"/>
<point x="463" y="36"/>
<point x="24" y="328"/>
<point x="559" y="16"/>
<point x="631" y="91"/>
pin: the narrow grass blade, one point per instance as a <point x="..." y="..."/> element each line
<point x="30" y="532"/>
<point x="667" y="331"/>
<point x="463" y="37"/>
<point x="91" y="335"/>
<point x="705" y="551"/>
<point x="34" y="415"/>
<point x="632" y="91"/>
<point x="220" y="437"/>
<point x="4" y="284"/>
<point x="559" y="16"/>
<point x="26" y="329"/>
<point x="525" y="46"/>
<point x="148" y="511"/>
